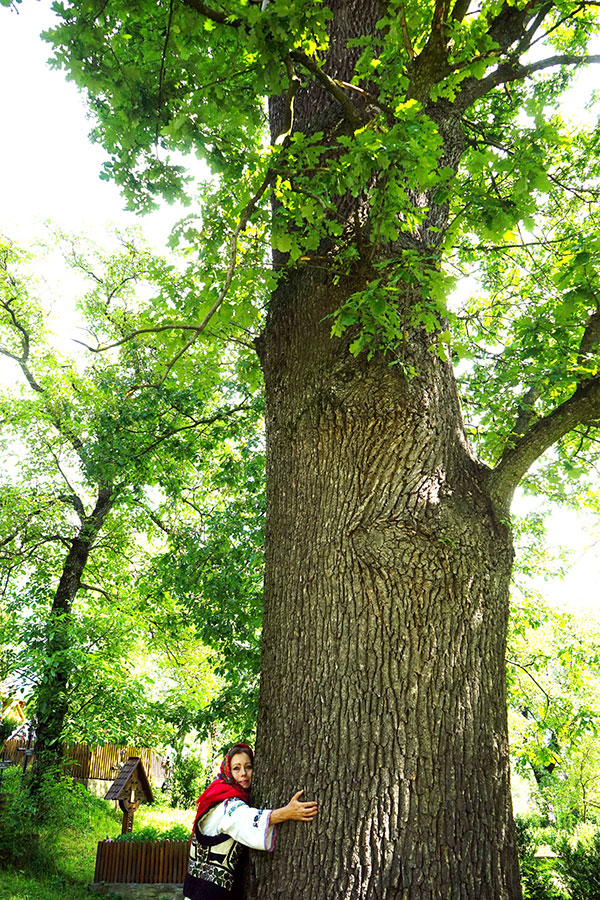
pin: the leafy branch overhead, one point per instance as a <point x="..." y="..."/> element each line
<point x="388" y="167"/>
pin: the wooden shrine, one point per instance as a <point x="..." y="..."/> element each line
<point x="131" y="787"/>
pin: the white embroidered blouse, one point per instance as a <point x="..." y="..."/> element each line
<point x="243" y="823"/>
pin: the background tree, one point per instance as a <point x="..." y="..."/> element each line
<point x="553" y="701"/>
<point x="397" y="133"/>
<point x="99" y="454"/>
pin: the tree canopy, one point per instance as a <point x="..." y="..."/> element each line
<point x="169" y="78"/>
<point x="98" y="455"/>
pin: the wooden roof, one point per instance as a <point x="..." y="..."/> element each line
<point x="132" y="771"/>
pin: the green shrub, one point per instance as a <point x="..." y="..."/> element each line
<point x="152" y="833"/>
<point x="188" y="780"/>
<point x="65" y="803"/>
<point x="6" y="729"/>
<point x="18" y="836"/>
<point x="579" y="866"/>
<point x="31" y="830"/>
<point x="536" y="874"/>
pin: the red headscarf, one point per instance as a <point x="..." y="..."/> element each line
<point x="224" y="786"/>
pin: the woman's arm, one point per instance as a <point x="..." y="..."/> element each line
<point x="295" y="810"/>
<point x="251" y="827"/>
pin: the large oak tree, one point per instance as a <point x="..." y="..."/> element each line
<point x="400" y="133"/>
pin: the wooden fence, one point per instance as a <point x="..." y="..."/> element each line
<point x="141" y="862"/>
<point x="101" y="761"/>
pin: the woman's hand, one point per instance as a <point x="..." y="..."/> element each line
<point x="295" y="810"/>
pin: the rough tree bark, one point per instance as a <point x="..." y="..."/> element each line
<point x="386" y="601"/>
<point x="387" y="582"/>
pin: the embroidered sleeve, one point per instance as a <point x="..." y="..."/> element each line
<point x="247" y="825"/>
<point x="232" y="805"/>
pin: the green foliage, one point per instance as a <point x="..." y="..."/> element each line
<point x="553" y="692"/>
<point x="7" y="726"/>
<point x="396" y="201"/>
<point x="23" y="885"/>
<point x="65" y="803"/>
<point x="30" y="823"/>
<point x="214" y="566"/>
<point x="518" y="212"/>
<point x="523" y="334"/>
<point x="536" y="874"/>
<point x="554" y="680"/>
<point x="163" y="78"/>
<point x="188" y="780"/>
<point x="67" y="866"/>
<point x="579" y="867"/>
<point x="166" y="106"/>
<point x="155" y="833"/>
<point x="17" y="819"/>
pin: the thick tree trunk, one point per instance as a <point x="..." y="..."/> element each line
<point x="386" y="600"/>
<point x="386" y="593"/>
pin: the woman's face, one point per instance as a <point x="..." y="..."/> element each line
<point x="241" y="769"/>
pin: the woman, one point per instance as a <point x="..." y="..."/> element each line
<point x="225" y="824"/>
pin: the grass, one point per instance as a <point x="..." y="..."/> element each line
<point x="163" y="817"/>
<point x="20" y="885"/>
<point x="63" y="867"/>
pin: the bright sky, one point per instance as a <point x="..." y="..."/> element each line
<point x="579" y="534"/>
<point x="48" y="167"/>
<point x="49" y="170"/>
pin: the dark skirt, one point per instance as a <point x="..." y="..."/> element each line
<point x="198" y="889"/>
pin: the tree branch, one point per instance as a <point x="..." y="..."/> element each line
<point x="405" y="35"/>
<point x="440" y="15"/>
<point x="590" y="338"/>
<point x="74" y="501"/>
<point x="499" y="248"/>
<point x="223" y="414"/>
<point x="565" y="59"/>
<point x="199" y="328"/>
<point x="104" y="504"/>
<point x="25" y="346"/>
<point x="155" y="329"/>
<point x="73" y="498"/>
<point x="23" y="525"/>
<point x="214" y="15"/>
<point x="527" y="39"/>
<point x="583" y="406"/>
<point x="250" y="207"/>
<point x="461" y="7"/>
<point x="331" y="86"/>
<point x="22" y="361"/>
<point x="293" y="85"/>
<point x="154" y="518"/>
<point x="513" y="70"/>
<point x="161" y="75"/>
<point x="517" y="665"/>
<point x="367" y="96"/>
<point x="91" y="587"/>
<point x="525" y="415"/>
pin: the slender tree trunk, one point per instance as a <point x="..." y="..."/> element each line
<point x="386" y="600"/>
<point x="52" y="694"/>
